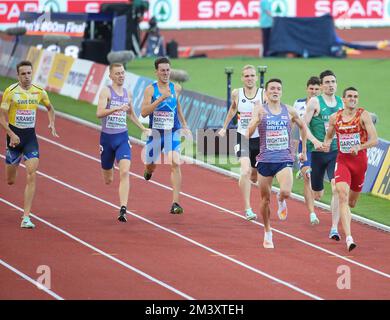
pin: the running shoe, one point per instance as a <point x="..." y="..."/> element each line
<point x="176" y="208"/>
<point x="122" y="214"/>
<point x="268" y="244"/>
<point x="250" y="215"/>
<point x="282" y="208"/>
<point x="147" y="175"/>
<point x="351" y="245"/>
<point x="26" y="223"/>
<point x="313" y="219"/>
<point x="334" y="235"/>
<point x="299" y="175"/>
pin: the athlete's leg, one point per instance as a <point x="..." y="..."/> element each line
<point x="307" y="191"/>
<point x="124" y="181"/>
<point x="174" y="160"/>
<point x="353" y="198"/>
<point x="285" y="180"/>
<point x="29" y="191"/>
<point x="11" y="173"/>
<point x="334" y="205"/>
<point x="265" y="184"/>
<point x="345" y="213"/>
<point x="244" y="182"/>
<point x="108" y="175"/>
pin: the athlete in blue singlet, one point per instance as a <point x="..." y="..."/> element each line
<point x="166" y="118"/>
<point x="273" y="121"/>
<point x="113" y="108"/>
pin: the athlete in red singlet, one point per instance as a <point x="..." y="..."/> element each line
<point x="355" y="134"/>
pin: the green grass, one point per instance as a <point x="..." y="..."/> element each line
<point x="369" y="206"/>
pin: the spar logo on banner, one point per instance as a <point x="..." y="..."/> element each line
<point x="220" y="10"/>
<point x="91" y="85"/>
<point x="353" y="9"/>
<point x="162" y="10"/>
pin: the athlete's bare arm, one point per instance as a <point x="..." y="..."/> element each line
<point x="231" y="113"/>
<point x="367" y="123"/>
<point x="179" y="109"/>
<point x="104" y="98"/>
<point x="133" y="117"/>
<point x="330" y="133"/>
<point x="294" y="116"/>
<point x="255" y="120"/>
<point x="312" y="110"/>
<point x="147" y="106"/>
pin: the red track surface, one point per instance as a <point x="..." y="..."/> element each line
<point x="228" y="37"/>
<point x="181" y="255"/>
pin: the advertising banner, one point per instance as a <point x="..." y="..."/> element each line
<point x="92" y="82"/>
<point x="76" y="78"/>
<point x="6" y="48"/>
<point x="59" y="72"/>
<point x="34" y="56"/>
<point x="348" y="13"/>
<point x="20" y="54"/>
<point x="382" y="183"/>
<point x="41" y="74"/>
<point x="376" y="156"/>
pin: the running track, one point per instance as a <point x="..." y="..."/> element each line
<point x="209" y="252"/>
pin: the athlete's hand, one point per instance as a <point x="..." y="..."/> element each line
<point x="222" y="132"/>
<point x="319" y="146"/>
<point x="53" y="130"/>
<point x="355" y="150"/>
<point x="165" y="95"/>
<point x="302" y="157"/>
<point x="14" y="140"/>
<point x="147" y="132"/>
<point x="326" y="147"/>
<point x="124" y="107"/>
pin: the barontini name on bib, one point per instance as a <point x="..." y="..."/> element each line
<point x="25" y="119"/>
<point x="163" y="120"/>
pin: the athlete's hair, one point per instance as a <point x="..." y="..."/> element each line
<point x="161" y="60"/>
<point x="115" y="65"/>
<point x="272" y="80"/>
<point x="246" y="67"/>
<point x="313" y="81"/>
<point x="349" y="89"/>
<point x="326" y="73"/>
<point x="22" y="64"/>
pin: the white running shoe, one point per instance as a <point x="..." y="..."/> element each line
<point x="282" y="208"/>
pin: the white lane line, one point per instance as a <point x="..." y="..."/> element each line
<point x="101" y="252"/>
<point x="328" y="252"/>
<point x="264" y="274"/>
<point x="26" y="277"/>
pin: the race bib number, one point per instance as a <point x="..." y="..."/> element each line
<point x="116" y="120"/>
<point x="25" y="119"/>
<point x="163" y="120"/>
<point x="245" y="118"/>
<point x="347" y="141"/>
<point x="277" y="140"/>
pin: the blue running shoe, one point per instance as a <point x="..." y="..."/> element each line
<point x="334" y="235"/>
<point x="26" y="223"/>
<point x="250" y="215"/>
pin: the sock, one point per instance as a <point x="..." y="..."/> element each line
<point x="123" y="209"/>
<point x="268" y="235"/>
<point x="349" y="239"/>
